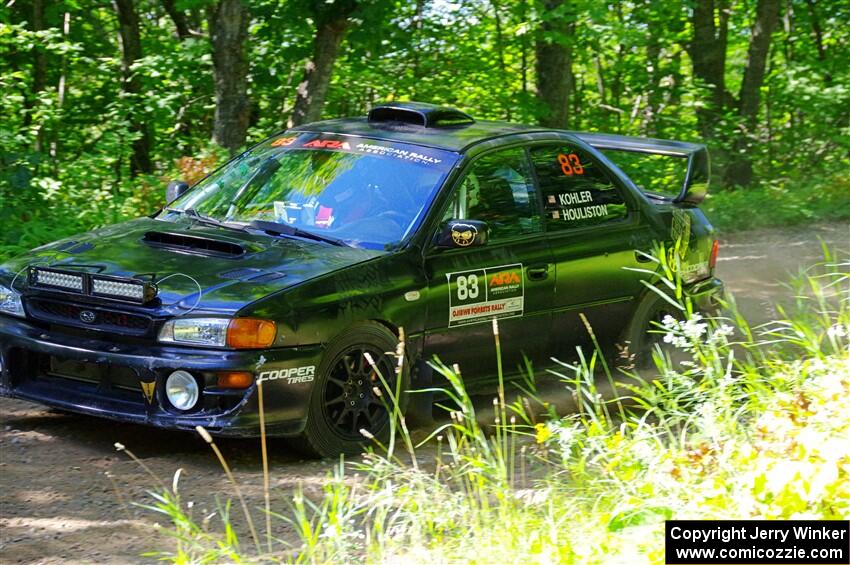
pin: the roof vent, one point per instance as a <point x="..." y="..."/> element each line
<point x="419" y="114"/>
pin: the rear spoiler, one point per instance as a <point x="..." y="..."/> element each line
<point x="695" y="186"/>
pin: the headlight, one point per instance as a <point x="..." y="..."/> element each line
<point x="10" y="302"/>
<point x="181" y="389"/>
<point x="196" y="331"/>
<point x="238" y="333"/>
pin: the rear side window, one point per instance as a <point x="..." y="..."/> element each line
<point x="577" y="191"/>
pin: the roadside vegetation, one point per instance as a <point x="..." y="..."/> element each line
<point x="103" y="103"/>
<point x="781" y="202"/>
<point x="747" y="422"/>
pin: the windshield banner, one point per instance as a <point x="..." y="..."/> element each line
<point x="441" y="160"/>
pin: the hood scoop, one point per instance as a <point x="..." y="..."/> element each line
<point x="194" y="244"/>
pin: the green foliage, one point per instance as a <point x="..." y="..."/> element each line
<point x="67" y="130"/>
<point x="781" y="202"/>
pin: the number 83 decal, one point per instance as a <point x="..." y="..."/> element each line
<point x="467" y="287"/>
<point x="570" y="164"/>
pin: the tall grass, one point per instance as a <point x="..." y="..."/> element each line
<point x="754" y="423"/>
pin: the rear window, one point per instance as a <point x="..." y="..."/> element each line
<point x="654" y="175"/>
<point x="577" y="191"/>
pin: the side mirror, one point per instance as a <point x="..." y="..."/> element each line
<point x="462" y="233"/>
<point x="175" y="190"/>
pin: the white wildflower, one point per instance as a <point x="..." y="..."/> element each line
<point x="838" y="330"/>
<point x="693" y="329"/>
<point x="566" y="436"/>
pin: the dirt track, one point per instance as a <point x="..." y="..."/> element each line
<point x="58" y="505"/>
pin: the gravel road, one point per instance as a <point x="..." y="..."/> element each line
<point x="65" y="491"/>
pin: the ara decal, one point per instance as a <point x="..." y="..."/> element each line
<point x="484" y="294"/>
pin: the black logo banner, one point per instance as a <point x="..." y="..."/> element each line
<point x="763" y="542"/>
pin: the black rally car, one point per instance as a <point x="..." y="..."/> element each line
<point x="313" y="248"/>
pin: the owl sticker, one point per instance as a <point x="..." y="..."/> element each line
<point x="464" y="234"/>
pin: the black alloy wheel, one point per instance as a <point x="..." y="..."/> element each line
<point x="351" y="399"/>
<point x="344" y="401"/>
<point x="644" y="332"/>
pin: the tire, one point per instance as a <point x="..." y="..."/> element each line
<point x="343" y="400"/>
<point x="641" y="335"/>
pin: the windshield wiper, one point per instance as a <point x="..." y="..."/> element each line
<point x="202" y="219"/>
<point x="285" y="229"/>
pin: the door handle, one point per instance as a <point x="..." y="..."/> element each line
<point x="643" y="256"/>
<point x="537" y="272"/>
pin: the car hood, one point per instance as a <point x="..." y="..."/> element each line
<point x="195" y="267"/>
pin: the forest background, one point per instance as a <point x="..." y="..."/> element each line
<point x="103" y="103"/>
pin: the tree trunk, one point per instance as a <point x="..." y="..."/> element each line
<point x="313" y="89"/>
<point x="178" y="17"/>
<point x="415" y="57"/>
<point x="228" y="23"/>
<point x="131" y="51"/>
<point x="818" y="33"/>
<point x="60" y="90"/>
<point x="523" y="14"/>
<point x="500" y="55"/>
<point x="708" y="55"/>
<point x="39" y="73"/>
<point x="181" y="26"/>
<point x="600" y="76"/>
<point x="554" y="66"/>
<point x="654" y="91"/>
<point x="740" y="170"/>
<point x="767" y="16"/>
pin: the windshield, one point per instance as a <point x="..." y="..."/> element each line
<point x="368" y="193"/>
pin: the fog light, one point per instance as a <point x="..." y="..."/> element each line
<point x="181" y="388"/>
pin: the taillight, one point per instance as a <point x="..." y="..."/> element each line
<point x="715" y="249"/>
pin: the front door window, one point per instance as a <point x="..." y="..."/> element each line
<point x="498" y="190"/>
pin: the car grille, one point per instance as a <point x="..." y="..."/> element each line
<point x="103" y="319"/>
<point x="95" y="373"/>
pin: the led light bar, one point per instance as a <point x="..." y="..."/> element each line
<point x="133" y="291"/>
<point x="58" y="279"/>
<point x="112" y="288"/>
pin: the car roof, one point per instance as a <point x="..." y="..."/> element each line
<point x="457" y="138"/>
<point x="421" y="124"/>
<point x="446" y="128"/>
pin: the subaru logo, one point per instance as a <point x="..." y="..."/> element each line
<point x="87" y="316"/>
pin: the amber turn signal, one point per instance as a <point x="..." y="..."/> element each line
<point x="250" y="333"/>
<point x="235" y="379"/>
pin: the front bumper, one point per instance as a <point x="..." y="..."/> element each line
<point x="108" y="383"/>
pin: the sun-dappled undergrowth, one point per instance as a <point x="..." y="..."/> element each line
<point x="754" y="423"/>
